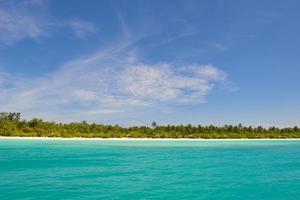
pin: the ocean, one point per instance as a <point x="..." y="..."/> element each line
<point x="115" y="169"/>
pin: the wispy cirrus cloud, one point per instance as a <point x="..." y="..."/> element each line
<point x="30" y="19"/>
<point x="110" y="84"/>
<point x="19" y="21"/>
<point x="82" y="28"/>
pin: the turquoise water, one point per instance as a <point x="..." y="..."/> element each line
<point x="31" y="169"/>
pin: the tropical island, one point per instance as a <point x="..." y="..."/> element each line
<point x="11" y="125"/>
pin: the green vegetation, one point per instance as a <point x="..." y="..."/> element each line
<point x="12" y="125"/>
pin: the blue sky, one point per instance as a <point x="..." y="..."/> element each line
<point x="134" y="62"/>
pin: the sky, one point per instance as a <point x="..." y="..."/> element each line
<point x="132" y="62"/>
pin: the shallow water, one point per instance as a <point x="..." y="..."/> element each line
<point x="59" y="169"/>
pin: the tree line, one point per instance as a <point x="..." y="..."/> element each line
<point x="11" y="124"/>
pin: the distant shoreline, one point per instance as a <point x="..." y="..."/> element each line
<point x="144" y="139"/>
<point x="13" y="126"/>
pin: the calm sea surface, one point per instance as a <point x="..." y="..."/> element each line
<point x="31" y="169"/>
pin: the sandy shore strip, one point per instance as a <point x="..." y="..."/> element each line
<point x="145" y="139"/>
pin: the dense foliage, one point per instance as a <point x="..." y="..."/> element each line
<point x="12" y="125"/>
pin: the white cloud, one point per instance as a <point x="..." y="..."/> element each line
<point x="209" y="72"/>
<point x="164" y="82"/>
<point x="21" y="21"/>
<point x="82" y="28"/>
<point x="31" y="20"/>
<point x="109" y="84"/>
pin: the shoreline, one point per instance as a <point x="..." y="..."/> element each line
<point x="145" y="139"/>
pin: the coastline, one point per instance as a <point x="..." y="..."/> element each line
<point x="145" y="139"/>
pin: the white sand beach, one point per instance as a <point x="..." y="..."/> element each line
<point x="143" y="139"/>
